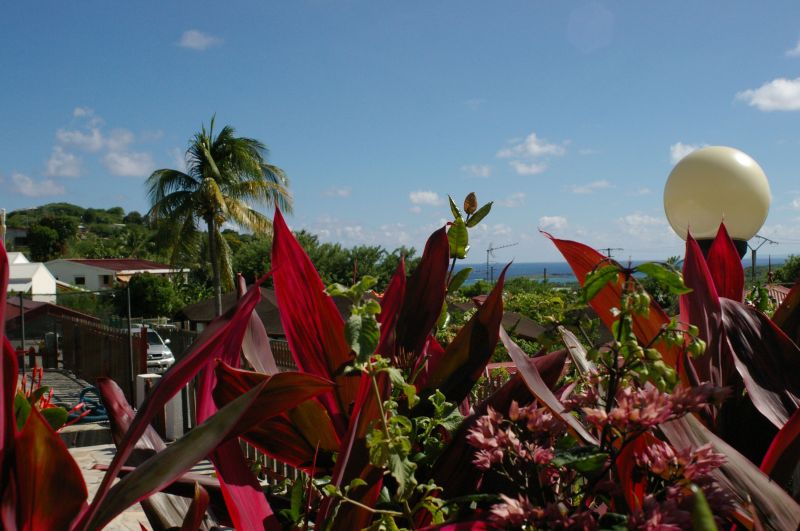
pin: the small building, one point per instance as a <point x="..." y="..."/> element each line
<point x="30" y="278"/>
<point x="95" y="274"/>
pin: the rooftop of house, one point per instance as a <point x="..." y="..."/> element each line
<point x="122" y="264"/>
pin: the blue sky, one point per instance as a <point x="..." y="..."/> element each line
<point x="569" y="115"/>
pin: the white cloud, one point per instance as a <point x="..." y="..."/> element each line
<point x="30" y="188"/>
<point x="501" y="229"/>
<point x="62" y="164"/>
<point x="641" y="191"/>
<point x="119" y="139"/>
<point x="531" y="147"/>
<point x="780" y="94"/>
<point x="514" y="200"/>
<point x="91" y="140"/>
<point x="477" y="170"/>
<point x="589" y="188"/>
<point x="794" y="52"/>
<point x="796" y="203"/>
<point x="527" y="169"/>
<point x="552" y="222"/>
<point x="197" y="40"/>
<point x="425" y="197"/>
<point x="416" y="209"/>
<point x="338" y="192"/>
<point x="588" y="151"/>
<point x="679" y="150"/>
<point x="129" y="164"/>
<point x="647" y="228"/>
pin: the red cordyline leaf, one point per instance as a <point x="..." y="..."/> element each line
<point x="583" y="260"/>
<point x="197" y="510"/>
<point x="208" y="346"/>
<point x="783" y="455"/>
<point x="465" y="358"/>
<point x="313" y="326"/>
<point x="738" y="476"/>
<point x="477" y="525"/>
<point x="767" y="360"/>
<point x="50" y="489"/>
<point x="7" y="393"/>
<point x="424" y="295"/>
<point x="725" y="266"/>
<point x="391" y="302"/>
<point x="633" y="490"/>
<point x="540" y="390"/>
<point x="701" y="308"/>
<point x="255" y="344"/>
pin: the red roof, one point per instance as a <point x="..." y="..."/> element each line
<point x="120" y="264"/>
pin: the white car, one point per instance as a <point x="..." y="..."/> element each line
<point x="159" y="356"/>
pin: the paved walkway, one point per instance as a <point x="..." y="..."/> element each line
<point x="87" y="457"/>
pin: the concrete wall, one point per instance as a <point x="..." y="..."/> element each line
<point x="69" y="272"/>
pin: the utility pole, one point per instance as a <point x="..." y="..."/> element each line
<point x="490" y="253"/>
<point x="754" y="252"/>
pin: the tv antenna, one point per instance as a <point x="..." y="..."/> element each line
<point x="490" y="253"/>
<point x="609" y="250"/>
<point x="754" y="252"/>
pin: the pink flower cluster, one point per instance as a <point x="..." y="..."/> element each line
<point x="497" y="438"/>
<point x="639" y="409"/>
<point x="519" y="511"/>
<point x="661" y="459"/>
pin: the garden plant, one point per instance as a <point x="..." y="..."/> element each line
<point x="679" y="422"/>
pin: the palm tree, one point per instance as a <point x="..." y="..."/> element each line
<point x="224" y="175"/>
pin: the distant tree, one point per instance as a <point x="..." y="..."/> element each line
<point x="44" y="243"/>
<point x="116" y="213"/>
<point x="133" y="218"/>
<point x="65" y="226"/>
<point x="789" y="272"/>
<point x="252" y="259"/>
<point x="151" y="296"/>
<point x="225" y="175"/>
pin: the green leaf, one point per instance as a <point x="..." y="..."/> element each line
<point x="458" y="238"/>
<point x="597" y="280"/>
<point x="666" y="276"/>
<point x="585" y="459"/>
<point x="362" y="334"/>
<point x="39" y="393"/>
<point x="402" y="470"/>
<point x="444" y="317"/>
<point x="22" y="408"/>
<point x="55" y="416"/>
<point x="356" y="482"/>
<point x="297" y="499"/>
<point x="458" y="279"/>
<point x="454" y="208"/>
<point x="480" y="214"/>
<point x="702" y="517"/>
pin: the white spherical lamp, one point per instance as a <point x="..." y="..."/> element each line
<point x="713" y="185"/>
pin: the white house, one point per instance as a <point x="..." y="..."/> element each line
<point x="31" y="278"/>
<point x="95" y="274"/>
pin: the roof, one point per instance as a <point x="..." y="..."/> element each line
<point x="121" y="264"/>
<point x="17" y="258"/>
<point x="33" y="309"/>
<point x="267" y="310"/>
<point x="778" y="292"/>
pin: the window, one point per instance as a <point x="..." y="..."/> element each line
<point x="105" y="280"/>
<point x="80" y="281"/>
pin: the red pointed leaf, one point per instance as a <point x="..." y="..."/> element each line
<point x="256" y="348"/>
<point x="197" y="510"/>
<point x="49" y="486"/>
<point x="475" y="525"/>
<point x="312" y="323"/>
<point x="7" y="364"/>
<point x="222" y="335"/>
<point x="391" y="303"/>
<point x="292" y="438"/>
<point x="725" y="266"/>
<point x="738" y="476"/>
<point x="281" y="392"/>
<point x="783" y="454"/>
<point x="244" y="498"/>
<point x="465" y="358"/>
<point x="767" y="360"/>
<point x="583" y="260"/>
<point x="701" y="308"/>
<point x="425" y="294"/>
<point x="540" y="390"/>
<point x="633" y="489"/>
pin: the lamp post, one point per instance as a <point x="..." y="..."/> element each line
<point x="713" y="185"/>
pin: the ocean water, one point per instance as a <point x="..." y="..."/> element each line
<point x="559" y="272"/>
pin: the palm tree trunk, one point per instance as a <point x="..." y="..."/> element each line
<point x="212" y="255"/>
